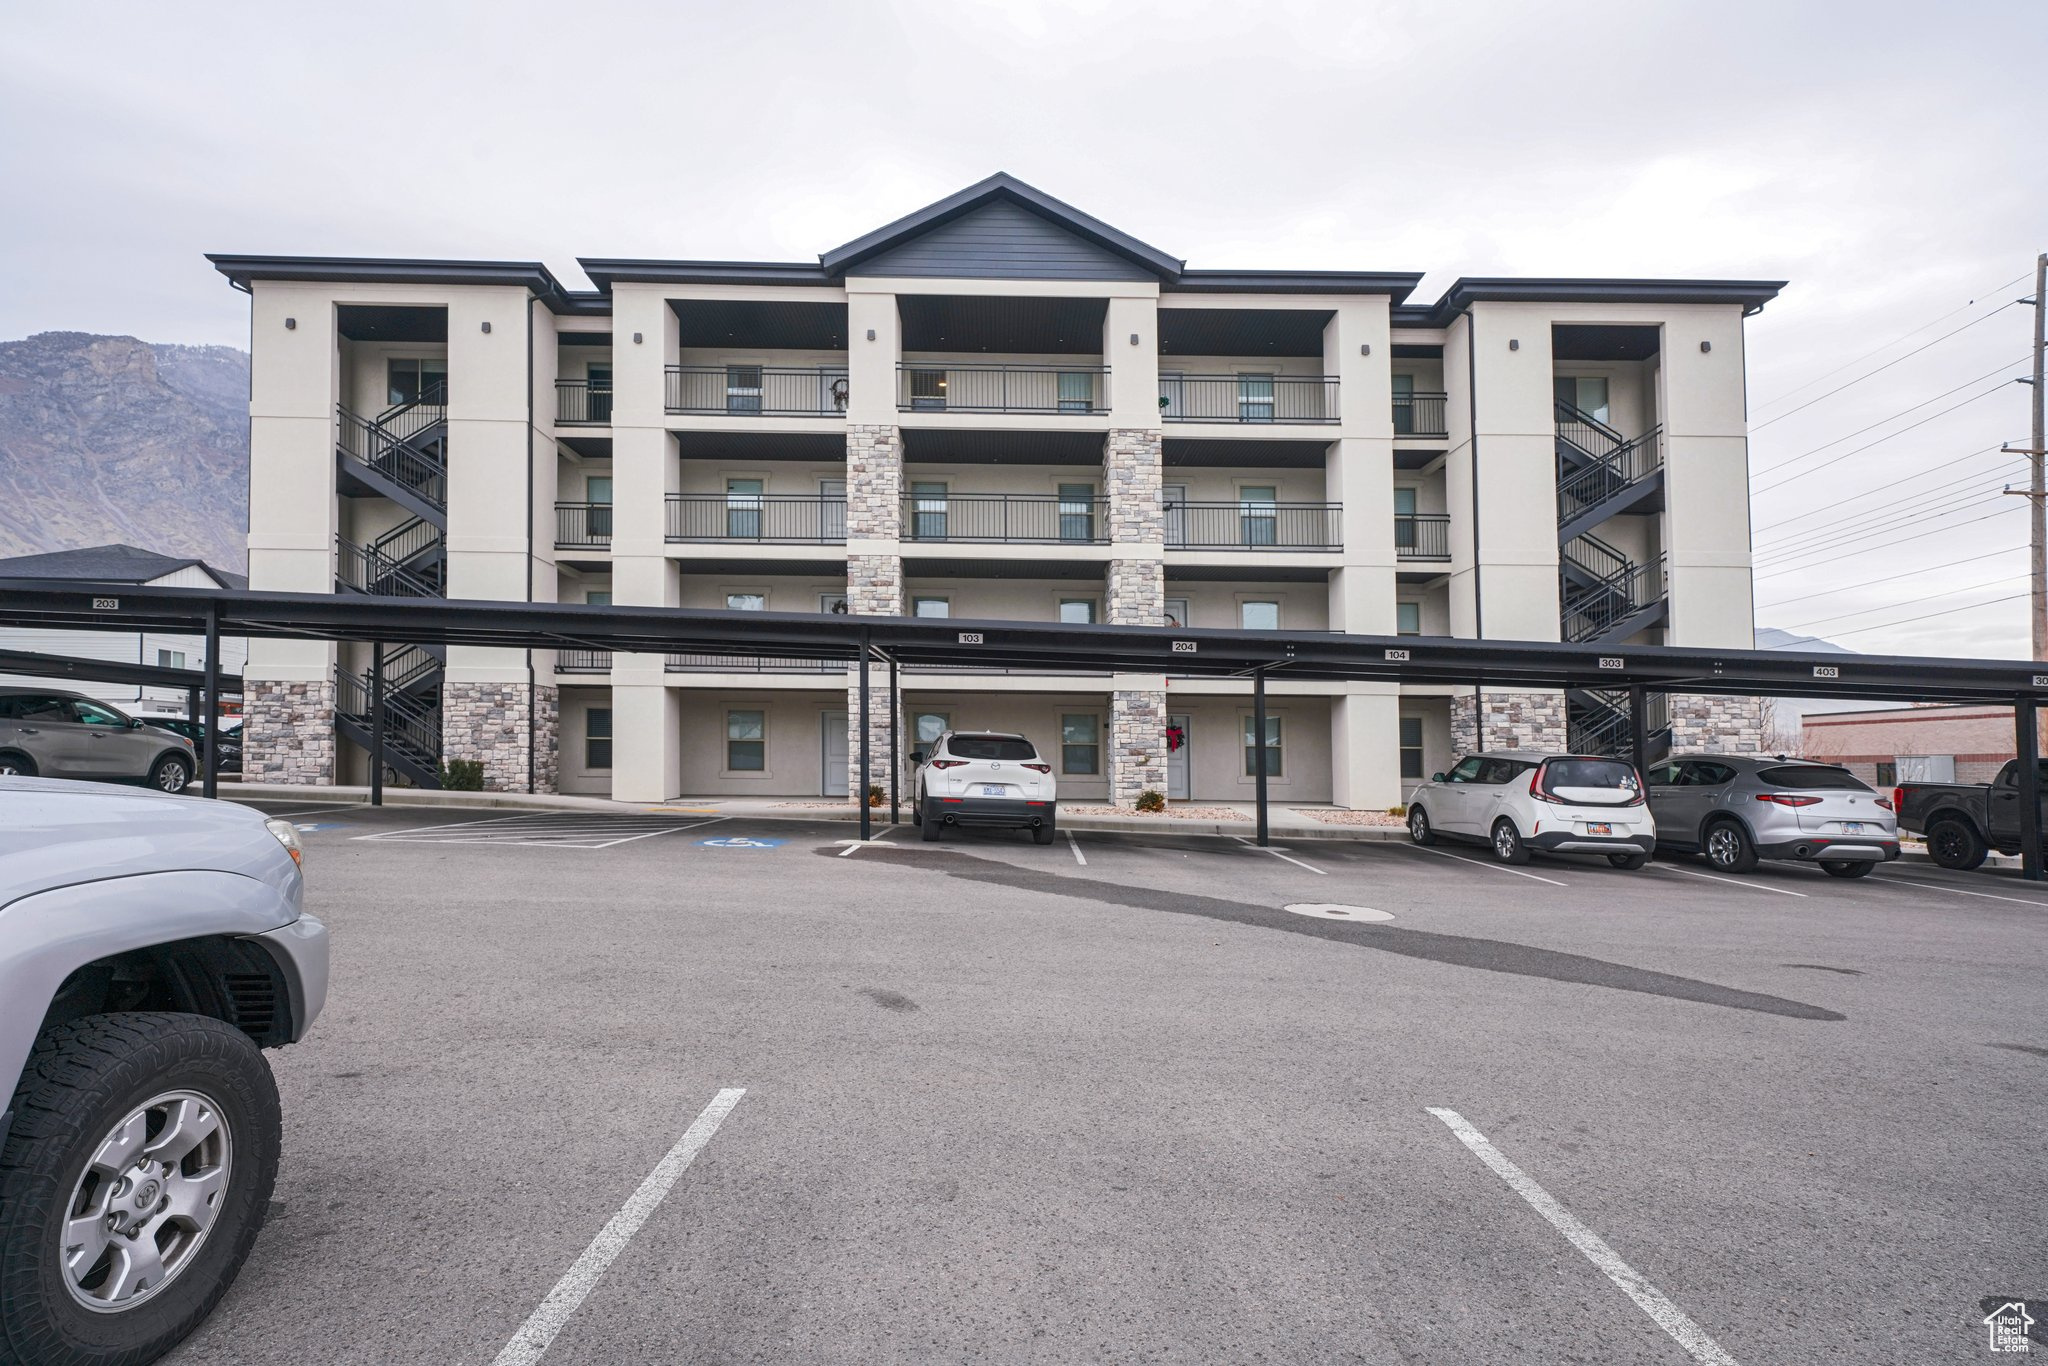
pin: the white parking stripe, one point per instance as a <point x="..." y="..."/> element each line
<point x="852" y="845"/>
<point x="1075" y="844"/>
<point x="1269" y="849"/>
<point x="1943" y="887"/>
<point x="1480" y="863"/>
<point x="315" y="810"/>
<point x="541" y="1326"/>
<point x="1731" y="881"/>
<point x="1648" y="1298"/>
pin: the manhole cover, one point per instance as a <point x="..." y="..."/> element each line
<point x="1329" y="910"/>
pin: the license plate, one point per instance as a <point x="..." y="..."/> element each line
<point x="1852" y="827"/>
<point x="994" y="791"/>
<point x="1599" y="828"/>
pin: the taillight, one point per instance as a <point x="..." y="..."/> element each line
<point x="1898" y="799"/>
<point x="1787" y="799"/>
<point x="1536" y="789"/>
<point x="949" y="763"/>
<point x="1887" y="803"/>
<point x="1039" y="768"/>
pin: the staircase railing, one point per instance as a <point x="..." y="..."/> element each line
<point x="411" y="727"/>
<point x="410" y="538"/>
<point x="406" y="665"/>
<point x="1609" y="474"/>
<point x="367" y="570"/>
<point x="387" y="444"/>
<point x="1593" y="557"/>
<point x="404" y="421"/>
<point x="1589" y="434"/>
<point x="1590" y="612"/>
<point x="1602" y="724"/>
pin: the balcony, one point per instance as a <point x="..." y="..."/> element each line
<point x="583" y="526"/>
<point x="1257" y="400"/>
<point x="759" y="518"/>
<point x="1420" y="414"/>
<point x="757" y="390"/>
<point x="579" y="403"/>
<point x="1037" y="518"/>
<point x="1422" y="536"/>
<point x="964" y="387"/>
<point x="753" y="664"/>
<point x="583" y="661"/>
<point x="1254" y="526"/>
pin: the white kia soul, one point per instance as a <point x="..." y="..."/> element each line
<point x="1516" y="803"/>
<point x="983" y="778"/>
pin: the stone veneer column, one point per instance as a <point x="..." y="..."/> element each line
<point x="486" y="722"/>
<point x="874" y="483"/>
<point x="1136" y="589"/>
<point x="874" y="579"/>
<point x="1721" y="725"/>
<point x="287" y="732"/>
<point x="1137" y="743"/>
<point x="1514" y="720"/>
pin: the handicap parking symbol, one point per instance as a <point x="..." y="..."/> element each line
<point x="739" y="842"/>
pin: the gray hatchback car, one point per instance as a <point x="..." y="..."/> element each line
<point x="1736" y="810"/>
<point x="50" y="733"/>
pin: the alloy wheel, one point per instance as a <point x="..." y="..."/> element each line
<point x="148" y="1197"/>
<point x="173" y="777"/>
<point x="1504" y="840"/>
<point x="1724" y="848"/>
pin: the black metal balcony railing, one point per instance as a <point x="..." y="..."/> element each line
<point x="791" y="518"/>
<point x="964" y="387"/>
<point x="583" y="661"/>
<point x="758" y="390"/>
<point x="1248" y="398"/>
<point x="753" y="664"/>
<point x="579" y="403"/>
<point x="583" y="526"/>
<point x="1034" y="517"/>
<point x="1420" y="414"/>
<point x="1255" y="526"/>
<point x="1422" y="536"/>
<point x="368" y="570"/>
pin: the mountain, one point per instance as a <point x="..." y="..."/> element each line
<point x="111" y="439"/>
<point x="1771" y="638"/>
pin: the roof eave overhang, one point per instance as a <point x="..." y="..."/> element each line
<point x="1749" y="295"/>
<point x="1396" y="285"/>
<point x="534" y="277"/>
<point x="604" y="272"/>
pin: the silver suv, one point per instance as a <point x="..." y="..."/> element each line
<point x="56" y="734"/>
<point x="1736" y="810"/>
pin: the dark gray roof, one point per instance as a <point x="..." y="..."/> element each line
<point x="357" y="270"/>
<point x="109" y="564"/>
<point x="1751" y="294"/>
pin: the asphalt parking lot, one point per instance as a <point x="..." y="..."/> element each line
<point x="1109" y="1100"/>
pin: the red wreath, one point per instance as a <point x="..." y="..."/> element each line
<point x="1175" y="738"/>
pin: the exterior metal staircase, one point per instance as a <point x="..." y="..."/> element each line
<point x="400" y="454"/>
<point x="1603" y="594"/>
<point x="412" y="724"/>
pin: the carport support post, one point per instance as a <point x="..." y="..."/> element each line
<point x="1259" y="747"/>
<point x="861" y="793"/>
<point x="895" y="759"/>
<point x="2026" y="736"/>
<point x="1639" y="732"/>
<point x="209" y="758"/>
<point x="377" y="723"/>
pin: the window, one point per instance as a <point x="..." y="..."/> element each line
<point x="598" y="597"/>
<point x="1176" y="611"/>
<point x="927" y="726"/>
<point x="1404" y="519"/>
<point x="597" y="737"/>
<point x="1467" y="770"/>
<point x="1081" y="744"/>
<point x="743" y="388"/>
<point x="93" y="714"/>
<point x="1587" y="393"/>
<point x="746" y="602"/>
<point x="1272" y="747"/>
<point x="1009" y="749"/>
<point x="1077" y="611"/>
<point x="1812" y="778"/>
<point x="928" y="390"/>
<point x="743" y="509"/>
<point x="1077" y="392"/>
<point x="1257" y="514"/>
<point x="598" y="378"/>
<point x="1259" y="616"/>
<point x="746" y="741"/>
<point x="1404" y="407"/>
<point x="408" y="381"/>
<point x="835" y="603"/>
<point x="1077" y="512"/>
<point x="1411" y="747"/>
<point x="1254" y="398"/>
<point x="170" y="659"/>
<point x="597" y="491"/>
<point x="1407" y="618"/>
<point x="1887" y="772"/>
<point x="928" y="511"/>
<point x="931" y="607"/>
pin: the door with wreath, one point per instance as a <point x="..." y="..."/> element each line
<point x="1177" y="751"/>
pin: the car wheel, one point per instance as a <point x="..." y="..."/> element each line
<point x="1631" y="862"/>
<point x="171" y="773"/>
<point x="1419" y="828"/>
<point x="1044" y="834"/>
<point x="1953" y="844"/>
<point x="1507" y="842"/>
<point x="1847" y="867"/>
<point x="1729" y="848"/>
<point x="132" y="1185"/>
<point x="930" y="825"/>
<point x="17" y="766"/>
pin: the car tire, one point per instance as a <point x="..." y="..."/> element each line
<point x="16" y="765"/>
<point x="1044" y="834"/>
<point x="87" y="1084"/>
<point x="1507" y="842"/>
<point x="1955" y="844"/>
<point x="1728" y="848"/>
<point x="917" y="812"/>
<point x="171" y="773"/>
<point x="1628" y="862"/>
<point x="1847" y="867"/>
<point x="1419" y="828"/>
<point x="930" y="825"/>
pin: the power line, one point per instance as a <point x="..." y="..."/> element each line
<point x="1858" y="450"/>
<point x="1908" y="502"/>
<point x="1937" y="531"/>
<point x="1939" y="471"/>
<point x="1785" y="464"/>
<point x="1810" y="556"/>
<point x="1869" y="583"/>
<point x="1882" y="368"/>
<point x="1906" y="602"/>
<point x="1884" y="625"/>
<point x="1878" y="523"/>
<point x="1774" y="402"/>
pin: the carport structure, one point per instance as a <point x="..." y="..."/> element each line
<point x="903" y="642"/>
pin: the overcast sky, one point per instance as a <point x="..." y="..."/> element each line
<point x="1887" y="159"/>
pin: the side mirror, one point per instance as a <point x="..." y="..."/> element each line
<point x="135" y="723"/>
<point x="1436" y="777"/>
<point x="917" y="756"/>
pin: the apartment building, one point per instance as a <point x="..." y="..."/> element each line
<point x="997" y="407"/>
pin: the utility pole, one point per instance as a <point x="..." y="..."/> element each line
<point x="2037" y="487"/>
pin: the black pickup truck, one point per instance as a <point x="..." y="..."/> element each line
<point x="1962" y="822"/>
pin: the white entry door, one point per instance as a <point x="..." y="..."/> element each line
<point x="833" y="751"/>
<point x="1178" y="783"/>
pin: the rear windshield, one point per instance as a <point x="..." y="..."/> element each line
<point x="1812" y="778"/>
<point x="1589" y="773"/>
<point x="990" y="747"/>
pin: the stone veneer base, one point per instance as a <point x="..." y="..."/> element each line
<point x="288" y="732"/>
<point x="487" y="722"/>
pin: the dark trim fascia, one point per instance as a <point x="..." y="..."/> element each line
<point x="1001" y="186"/>
<point x="1751" y="295"/>
<point x="377" y="270"/>
<point x="604" y="272"/>
<point x="1397" y="285"/>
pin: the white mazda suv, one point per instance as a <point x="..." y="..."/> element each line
<point x="983" y="778"/>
